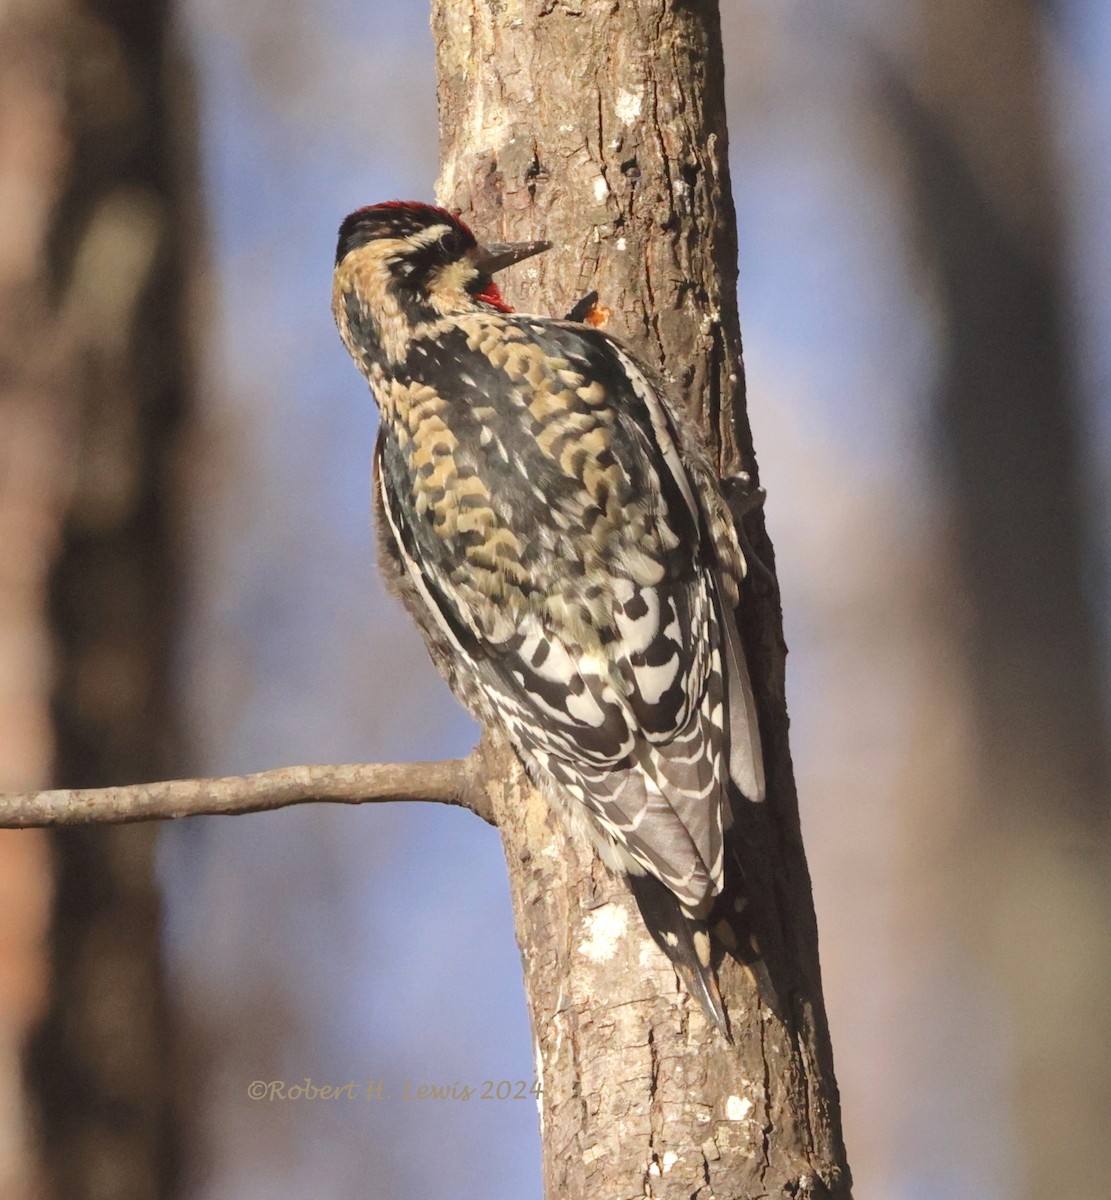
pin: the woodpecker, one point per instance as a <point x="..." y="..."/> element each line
<point x="551" y="520"/>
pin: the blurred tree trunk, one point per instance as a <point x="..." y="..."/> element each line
<point x="32" y="153"/>
<point x="1032" y="839"/>
<point x="94" y="385"/>
<point x="603" y="128"/>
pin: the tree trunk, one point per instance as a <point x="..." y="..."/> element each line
<point x="1028" y="877"/>
<point x="602" y="128"/>
<point x="32" y="453"/>
<point x="103" y="359"/>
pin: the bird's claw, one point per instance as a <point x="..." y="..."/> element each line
<point x="744" y="498"/>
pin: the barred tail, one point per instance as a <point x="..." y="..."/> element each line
<point x="686" y="943"/>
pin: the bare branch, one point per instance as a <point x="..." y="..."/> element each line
<point x="452" y="781"/>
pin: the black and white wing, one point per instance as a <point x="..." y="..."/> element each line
<point x="543" y="512"/>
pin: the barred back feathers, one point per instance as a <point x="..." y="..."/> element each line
<point x="552" y="523"/>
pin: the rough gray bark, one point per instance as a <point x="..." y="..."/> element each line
<point x="602" y="127"/>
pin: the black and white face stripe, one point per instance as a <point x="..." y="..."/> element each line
<point x="404" y="222"/>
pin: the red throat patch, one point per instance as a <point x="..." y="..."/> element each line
<point x="490" y="295"/>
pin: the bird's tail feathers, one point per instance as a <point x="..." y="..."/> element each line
<point x="685" y="941"/>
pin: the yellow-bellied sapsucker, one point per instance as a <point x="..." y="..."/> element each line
<point x="553" y="524"/>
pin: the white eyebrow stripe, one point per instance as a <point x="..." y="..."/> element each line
<point x="427" y="236"/>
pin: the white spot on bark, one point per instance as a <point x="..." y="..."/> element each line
<point x="669" y="1160"/>
<point x="621" y="244"/>
<point x="649" y="954"/>
<point x="653" y="1168"/>
<point x="737" y="1108"/>
<point x="627" y="105"/>
<point x="606" y="928"/>
<point x="594" y="1152"/>
<point x="601" y="189"/>
<point x="488" y="124"/>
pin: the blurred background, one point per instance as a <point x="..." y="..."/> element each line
<point x="187" y="585"/>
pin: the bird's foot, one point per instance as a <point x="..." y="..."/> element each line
<point x="744" y="497"/>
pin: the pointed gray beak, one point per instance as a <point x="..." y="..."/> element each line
<point x="499" y="255"/>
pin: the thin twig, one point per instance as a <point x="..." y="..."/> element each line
<point x="452" y="781"/>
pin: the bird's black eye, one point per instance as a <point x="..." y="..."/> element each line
<point x="452" y="243"/>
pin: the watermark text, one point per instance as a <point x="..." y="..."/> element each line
<point x="277" y="1091"/>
